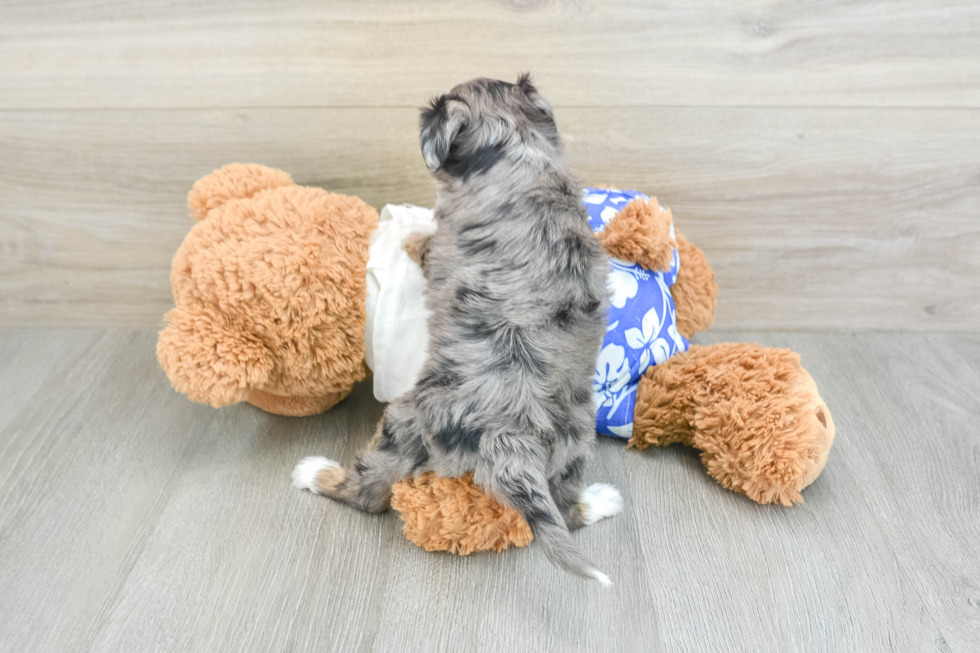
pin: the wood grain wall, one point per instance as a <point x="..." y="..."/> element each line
<point x="826" y="155"/>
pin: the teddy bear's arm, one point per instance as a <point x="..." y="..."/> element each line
<point x="640" y="233"/>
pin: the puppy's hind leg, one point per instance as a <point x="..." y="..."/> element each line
<point x="566" y="489"/>
<point x="396" y="451"/>
<point x="579" y="505"/>
<point x="582" y="506"/>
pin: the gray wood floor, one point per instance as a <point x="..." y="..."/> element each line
<point x="133" y="520"/>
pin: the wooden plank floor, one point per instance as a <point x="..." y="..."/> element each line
<point x="241" y="53"/>
<point x="823" y="154"/>
<point x="812" y="219"/>
<point x="133" y="520"/>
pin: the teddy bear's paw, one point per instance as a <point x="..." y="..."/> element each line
<point x="417" y="246"/>
<point x="305" y="474"/>
<point x="600" y="500"/>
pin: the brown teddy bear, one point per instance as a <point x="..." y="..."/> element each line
<point x="270" y="299"/>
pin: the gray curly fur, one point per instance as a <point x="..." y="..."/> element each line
<point x="517" y="294"/>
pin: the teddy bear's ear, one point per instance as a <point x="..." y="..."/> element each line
<point x="640" y="233"/>
<point x="695" y="291"/>
<point x="238" y="180"/>
<point x="209" y="360"/>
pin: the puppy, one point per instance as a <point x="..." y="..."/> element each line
<point x="517" y="295"/>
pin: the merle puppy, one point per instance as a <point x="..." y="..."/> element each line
<point x="517" y="288"/>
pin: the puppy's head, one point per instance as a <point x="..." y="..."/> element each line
<point x="483" y="121"/>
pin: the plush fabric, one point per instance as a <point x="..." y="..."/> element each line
<point x="269" y="288"/>
<point x="695" y="291"/>
<point x="452" y="514"/>
<point x="753" y="412"/>
<point x="642" y="232"/>
<point x="236" y="181"/>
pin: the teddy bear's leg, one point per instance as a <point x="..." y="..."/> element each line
<point x="453" y="514"/>
<point x="397" y="451"/>
<point x="754" y="412"/>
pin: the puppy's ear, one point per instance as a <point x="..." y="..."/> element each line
<point x="531" y="93"/>
<point x="524" y="82"/>
<point x="441" y="123"/>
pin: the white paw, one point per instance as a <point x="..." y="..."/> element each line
<point x="600" y="500"/>
<point x="304" y="474"/>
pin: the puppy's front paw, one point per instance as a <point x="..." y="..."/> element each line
<point x="600" y="500"/>
<point x="305" y="474"/>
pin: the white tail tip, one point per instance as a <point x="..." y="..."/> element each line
<point x="601" y="577"/>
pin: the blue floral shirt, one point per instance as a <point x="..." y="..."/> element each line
<point x="642" y="328"/>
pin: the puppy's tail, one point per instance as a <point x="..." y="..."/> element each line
<point x="527" y="492"/>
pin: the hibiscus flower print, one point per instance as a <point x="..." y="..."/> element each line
<point x="622" y="281"/>
<point x="622" y="287"/>
<point x="679" y="343"/>
<point x="647" y="338"/>
<point x="608" y="214"/>
<point x="612" y="374"/>
<point x="625" y="431"/>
